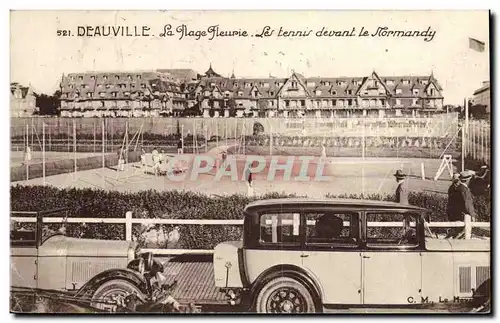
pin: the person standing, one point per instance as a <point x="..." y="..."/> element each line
<point x="249" y="180"/>
<point x="402" y="189"/>
<point x="464" y="210"/>
<point x="323" y="151"/>
<point x="180" y="149"/>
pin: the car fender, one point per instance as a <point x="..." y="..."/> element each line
<point x="291" y="271"/>
<point x="125" y="274"/>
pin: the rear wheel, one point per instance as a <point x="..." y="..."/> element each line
<point x="111" y="295"/>
<point x="284" y="295"/>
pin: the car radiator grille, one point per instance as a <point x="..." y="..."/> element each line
<point x="466" y="278"/>
<point x="82" y="271"/>
<point x="482" y="275"/>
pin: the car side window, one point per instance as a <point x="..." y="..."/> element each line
<point x="280" y="228"/>
<point x="331" y="228"/>
<point x="391" y="229"/>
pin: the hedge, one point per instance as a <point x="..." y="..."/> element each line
<point x="178" y="205"/>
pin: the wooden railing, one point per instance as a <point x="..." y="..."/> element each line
<point x="129" y="221"/>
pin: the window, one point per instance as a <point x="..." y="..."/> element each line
<point x="102" y="94"/>
<point x="139" y="77"/>
<point x="432" y="91"/>
<point x="282" y="228"/>
<point x="235" y="85"/>
<point x="318" y="92"/>
<point x="327" y="83"/>
<point x="71" y="86"/>
<point x="129" y="77"/>
<point x="266" y="85"/>
<point x="92" y="77"/>
<point x="334" y="92"/>
<point x="294" y="84"/>
<point x="415" y="91"/>
<point x="327" y="228"/>
<point x="117" y="77"/>
<point x="398" y="101"/>
<point x="390" y="82"/>
<point x="349" y="92"/>
<point x="425" y="82"/>
<point x="391" y="229"/>
<point x="80" y="77"/>
<point x="303" y="103"/>
<point x="287" y="103"/>
<point x="105" y="77"/>
<point x="406" y="82"/>
<point x="143" y="86"/>
<point x="90" y="94"/>
<point x="114" y="94"/>
<point x="271" y="93"/>
<point x="399" y="91"/>
<point x="108" y="86"/>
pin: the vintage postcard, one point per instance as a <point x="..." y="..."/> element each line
<point x="250" y="162"/>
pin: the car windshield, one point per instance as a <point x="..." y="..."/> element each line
<point x="25" y="225"/>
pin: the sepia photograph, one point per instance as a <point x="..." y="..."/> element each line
<point x="269" y="162"/>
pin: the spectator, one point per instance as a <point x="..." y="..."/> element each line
<point x="463" y="209"/>
<point x="323" y="151"/>
<point x="402" y="189"/>
<point x="27" y="155"/>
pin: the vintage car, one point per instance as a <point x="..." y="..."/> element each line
<point x="99" y="272"/>
<point x="306" y="255"/>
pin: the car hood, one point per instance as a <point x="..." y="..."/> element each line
<point x="65" y="246"/>
<point x="457" y="244"/>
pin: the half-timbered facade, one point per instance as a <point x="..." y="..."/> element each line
<point x="170" y="92"/>
<point x="297" y="96"/>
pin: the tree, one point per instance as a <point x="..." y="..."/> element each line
<point x="48" y="104"/>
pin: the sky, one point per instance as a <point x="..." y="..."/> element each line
<point x="39" y="57"/>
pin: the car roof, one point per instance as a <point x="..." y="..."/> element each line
<point x="337" y="202"/>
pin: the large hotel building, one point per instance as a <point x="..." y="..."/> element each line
<point x="176" y="92"/>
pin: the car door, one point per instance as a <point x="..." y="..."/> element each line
<point x="391" y="265"/>
<point x="331" y="255"/>
<point x="23" y="259"/>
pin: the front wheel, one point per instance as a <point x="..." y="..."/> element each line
<point x="111" y="294"/>
<point x="284" y="295"/>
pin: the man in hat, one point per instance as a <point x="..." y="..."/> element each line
<point x="402" y="189"/>
<point x="463" y="204"/>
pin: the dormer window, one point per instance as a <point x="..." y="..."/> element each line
<point x="247" y="85"/>
<point x="406" y="82"/>
<point x="114" y="94"/>
<point x="117" y="77"/>
<point x="105" y="77"/>
<point x="92" y="77"/>
<point x="80" y="78"/>
<point x="129" y="77"/>
<point x="240" y="93"/>
<point x="271" y="93"/>
<point x="390" y="82"/>
<point x="235" y="85"/>
<point x="139" y="77"/>
<point x="90" y="94"/>
<point x="143" y="86"/>
<point x="127" y="93"/>
<point x="71" y="86"/>
<point x="349" y="92"/>
<point x="108" y="86"/>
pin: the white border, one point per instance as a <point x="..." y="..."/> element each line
<point x="186" y="4"/>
